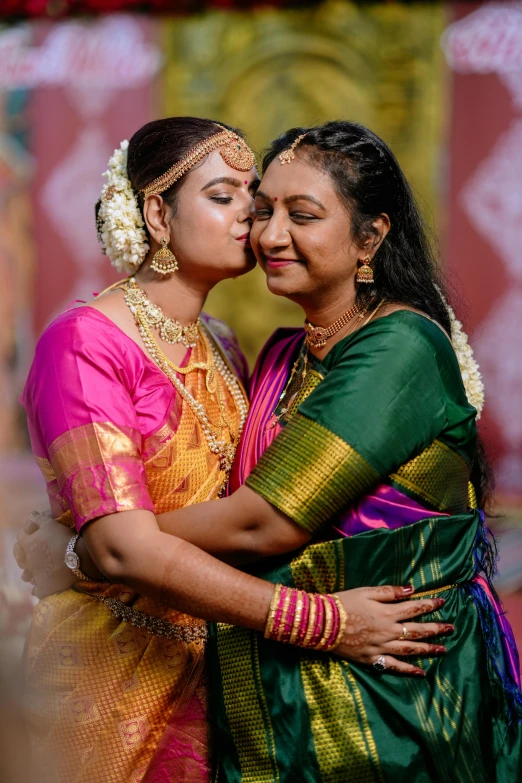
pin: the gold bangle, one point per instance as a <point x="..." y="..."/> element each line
<point x="311" y="621"/>
<point x="272" y="610"/>
<point x="297" y="617"/>
<point x="282" y="622"/>
<point x="343" y="618"/>
<point x="328" y="622"/>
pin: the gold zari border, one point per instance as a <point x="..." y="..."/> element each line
<point x="439" y="476"/>
<point x="46" y="468"/>
<point x="92" y="444"/>
<point x="246" y="708"/>
<point x="310" y="474"/>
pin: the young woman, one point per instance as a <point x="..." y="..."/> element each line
<point x="135" y="408"/>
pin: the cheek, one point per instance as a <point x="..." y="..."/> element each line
<point x="205" y="224"/>
<point x="255" y="236"/>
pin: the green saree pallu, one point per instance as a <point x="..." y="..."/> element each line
<point x="374" y="456"/>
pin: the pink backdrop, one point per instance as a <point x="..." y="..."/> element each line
<point x="75" y="129"/>
<point x="483" y="253"/>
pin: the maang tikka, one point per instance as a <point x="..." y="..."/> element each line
<point x="164" y="261"/>
<point x="287" y="156"/>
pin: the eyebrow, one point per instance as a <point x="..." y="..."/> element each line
<point x="291" y="199"/>
<point x="230" y="181"/>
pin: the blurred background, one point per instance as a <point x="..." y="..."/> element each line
<point x="441" y="82"/>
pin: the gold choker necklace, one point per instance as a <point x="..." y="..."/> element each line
<point x="170" y="331"/>
<point x="316" y="336"/>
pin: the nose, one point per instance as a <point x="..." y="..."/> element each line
<point x="274" y="234"/>
<point x="247" y="211"/>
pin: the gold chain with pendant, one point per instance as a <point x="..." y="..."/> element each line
<point x="217" y="445"/>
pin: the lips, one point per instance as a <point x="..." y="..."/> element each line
<point x="244" y="238"/>
<point x="276" y="263"/>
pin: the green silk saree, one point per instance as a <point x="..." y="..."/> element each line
<point x="376" y="461"/>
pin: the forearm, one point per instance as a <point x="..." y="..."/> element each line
<point x="200" y="529"/>
<point x="180" y="575"/>
<point x="239" y="529"/>
<point x="202" y="525"/>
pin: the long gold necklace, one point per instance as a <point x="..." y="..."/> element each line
<point x="316" y="336"/>
<point x="170" y="330"/>
<point x="217" y="445"/>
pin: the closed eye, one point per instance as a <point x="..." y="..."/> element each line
<point x="221" y="199"/>
<point x="299" y="216"/>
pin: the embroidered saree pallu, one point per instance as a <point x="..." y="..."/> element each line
<point x="374" y="458"/>
<point x="117" y="689"/>
<point x="300" y="716"/>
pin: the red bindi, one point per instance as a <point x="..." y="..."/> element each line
<point x="246" y="182"/>
<point x="275" y="198"/>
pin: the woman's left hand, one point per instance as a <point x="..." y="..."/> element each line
<point x="377" y="618"/>
<point x="39" y="552"/>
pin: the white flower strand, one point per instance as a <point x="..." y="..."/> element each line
<point x="469" y="369"/>
<point x="120" y="223"/>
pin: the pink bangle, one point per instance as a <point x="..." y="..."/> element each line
<point x="304" y="619"/>
<point x="289" y="619"/>
<point x="319" y="620"/>
<point x="335" y="626"/>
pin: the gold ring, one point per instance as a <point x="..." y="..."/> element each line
<point x="405" y="634"/>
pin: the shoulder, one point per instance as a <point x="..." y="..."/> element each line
<point x="219" y="328"/>
<point x="408" y="333"/>
<point x="84" y="321"/>
<point x="83" y="336"/>
<point x="282" y="336"/>
<point x="227" y="340"/>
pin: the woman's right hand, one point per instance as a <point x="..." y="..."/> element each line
<point x="377" y="618"/>
<point x="40" y="551"/>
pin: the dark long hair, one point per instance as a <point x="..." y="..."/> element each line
<point x="370" y="182"/>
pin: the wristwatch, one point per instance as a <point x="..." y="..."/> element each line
<point x="72" y="560"/>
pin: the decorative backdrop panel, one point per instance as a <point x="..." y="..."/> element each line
<point x="484" y="48"/>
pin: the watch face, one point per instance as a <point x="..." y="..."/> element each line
<point x="72" y="560"/>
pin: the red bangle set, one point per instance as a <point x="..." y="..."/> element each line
<point x="310" y="620"/>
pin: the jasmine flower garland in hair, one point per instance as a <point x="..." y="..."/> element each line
<point x="469" y="369"/>
<point x="120" y="223"/>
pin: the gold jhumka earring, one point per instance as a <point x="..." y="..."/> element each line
<point x="164" y="261"/>
<point x="365" y="272"/>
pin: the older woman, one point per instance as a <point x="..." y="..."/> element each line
<point x="135" y="408"/>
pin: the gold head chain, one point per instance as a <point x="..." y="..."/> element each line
<point x="288" y="155"/>
<point x="233" y="149"/>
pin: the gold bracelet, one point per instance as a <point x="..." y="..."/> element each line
<point x="328" y="622"/>
<point x="282" y="622"/>
<point x="272" y="610"/>
<point x="297" y="617"/>
<point x="343" y="618"/>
